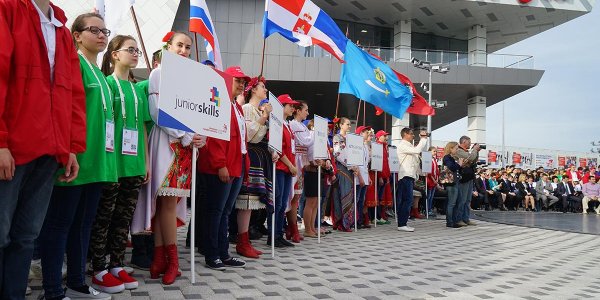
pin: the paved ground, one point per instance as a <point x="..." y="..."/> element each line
<point x="589" y="223"/>
<point x="488" y="261"/>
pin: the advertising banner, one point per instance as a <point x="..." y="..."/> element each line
<point x="198" y="102"/>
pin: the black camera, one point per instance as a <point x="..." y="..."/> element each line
<point x="482" y="146"/>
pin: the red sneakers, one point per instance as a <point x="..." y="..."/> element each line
<point x="107" y="283"/>
<point x="124" y="277"/>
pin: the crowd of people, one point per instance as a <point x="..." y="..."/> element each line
<point x="84" y="167"/>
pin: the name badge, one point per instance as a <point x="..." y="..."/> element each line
<point x="110" y="137"/>
<point x="130" y="141"/>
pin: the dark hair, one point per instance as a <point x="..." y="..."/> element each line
<point x="463" y="139"/>
<point x="405" y="131"/>
<point x="156" y="56"/>
<point x="108" y="65"/>
<point x="299" y="106"/>
<point x="338" y="125"/>
<point x="79" y="23"/>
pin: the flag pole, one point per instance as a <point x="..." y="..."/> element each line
<point x="137" y="28"/>
<point x="262" y="63"/>
<point x="365" y="114"/>
<point x="358" y="111"/>
<point x="385" y="121"/>
<point x="337" y="104"/>
<point x="196" y="43"/>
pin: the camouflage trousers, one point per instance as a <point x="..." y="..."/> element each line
<point x="113" y="218"/>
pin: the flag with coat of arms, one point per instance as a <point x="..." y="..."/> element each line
<point x="371" y="80"/>
<point x="304" y="23"/>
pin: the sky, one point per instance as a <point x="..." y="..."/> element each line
<point x="562" y="112"/>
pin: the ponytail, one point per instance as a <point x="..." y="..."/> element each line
<point x="108" y="65"/>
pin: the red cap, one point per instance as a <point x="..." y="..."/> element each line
<point x="286" y="99"/>
<point x="360" y="129"/>
<point x="237" y="72"/>
<point x="380" y="133"/>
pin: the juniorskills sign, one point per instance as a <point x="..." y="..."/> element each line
<point x="194" y="97"/>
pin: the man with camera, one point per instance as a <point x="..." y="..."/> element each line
<point x="465" y="185"/>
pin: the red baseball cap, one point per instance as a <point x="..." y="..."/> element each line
<point x="380" y="133"/>
<point x="286" y="99"/>
<point x="360" y="129"/>
<point x="237" y="72"/>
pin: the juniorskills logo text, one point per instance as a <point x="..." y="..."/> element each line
<point x="211" y="110"/>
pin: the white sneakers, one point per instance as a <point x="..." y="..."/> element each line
<point x="406" y="228"/>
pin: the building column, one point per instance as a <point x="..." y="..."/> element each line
<point x="477" y="46"/>
<point x="397" y="125"/>
<point x="402" y="41"/>
<point x="476" y="108"/>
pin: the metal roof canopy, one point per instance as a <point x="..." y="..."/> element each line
<point x="507" y="21"/>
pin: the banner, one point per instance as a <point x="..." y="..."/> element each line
<point x="592" y="162"/>
<point x="545" y="161"/>
<point x="393" y="160"/>
<point x="198" y="102"/>
<point x="571" y="161"/>
<point x="376" y="157"/>
<point x="516" y="158"/>
<point x="561" y="161"/>
<point x="492" y="157"/>
<point x="320" y="143"/>
<point x="426" y="161"/>
<point x="354" y="150"/>
<point x="440" y="153"/>
<point x="275" y="124"/>
<point x="582" y="162"/>
<point x="527" y="160"/>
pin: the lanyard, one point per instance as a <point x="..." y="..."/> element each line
<point x="104" y="105"/>
<point x="123" y="100"/>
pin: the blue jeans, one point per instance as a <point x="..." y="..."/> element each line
<point x="67" y="228"/>
<point x="464" y="201"/>
<point x="404" y="199"/>
<point x="23" y="205"/>
<point x="283" y="188"/>
<point x="452" y="205"/>
<point x="220" y="199"/>
<point x="361" y="193"/>
<point x="430" y="194"/>
<point x="301" y="204"/>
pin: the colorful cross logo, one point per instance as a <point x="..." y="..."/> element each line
<point x="215" y="96"/>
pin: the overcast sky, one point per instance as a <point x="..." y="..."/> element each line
<point x="563" y="111"/>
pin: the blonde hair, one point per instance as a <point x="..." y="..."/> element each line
<point x="522" y="177"/>
<point x="449" y="147"/>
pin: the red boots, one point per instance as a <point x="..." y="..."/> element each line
<point x="173" y="265"/>
<point x="244" y="248"/>
<point x="164" y="261"/>
<point x="414" y="212"/>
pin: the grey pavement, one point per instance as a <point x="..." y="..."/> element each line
<point x="571" y="222"/>
<point x="487" y="261"/>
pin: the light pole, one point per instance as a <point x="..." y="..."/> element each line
<point x="438" y="68"/>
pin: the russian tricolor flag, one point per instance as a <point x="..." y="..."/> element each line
<point x="304" y="23"/>
<point x="201" y="22"/>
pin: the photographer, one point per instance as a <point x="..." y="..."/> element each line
<point x="465" y="185"/>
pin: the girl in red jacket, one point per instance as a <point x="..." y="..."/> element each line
<point x="285" y="170"/>
<point x="222" y="166"/>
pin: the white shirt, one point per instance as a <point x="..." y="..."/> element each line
<point x="409" y="157"/>
<point x="364" y="169"/>
<point x="242" y="125"/>
<point x="49" y="32"/>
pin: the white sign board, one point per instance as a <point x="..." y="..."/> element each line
<point x="354" y="150"/>
<point x="275" y="124"/>
<point x="198" y="102"/>
<point x="320" y="142"/>
<point x="376" y="157"/>
<point x="545" y="161"/>
<point x="426" y="161"/>
<point x="393" y="160"/>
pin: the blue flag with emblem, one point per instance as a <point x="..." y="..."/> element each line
<point x="371" y="80"/>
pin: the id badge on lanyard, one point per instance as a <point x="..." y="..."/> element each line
<point x="130" y="141"/>
<point x="110" y="136"/>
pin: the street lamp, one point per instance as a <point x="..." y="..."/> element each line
<point x="438" y="68"/>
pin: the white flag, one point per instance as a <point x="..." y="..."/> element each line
<point x="114" y="13"/>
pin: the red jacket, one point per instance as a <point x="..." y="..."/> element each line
<point x="286" y="149"/>
<point x="433" y="177"/>
<point x="385" y="173"/>
<point x="217" y="153"/>
<point x="38" y="117"/>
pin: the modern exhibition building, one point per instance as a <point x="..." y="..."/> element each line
<point x="466" y="35"/>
